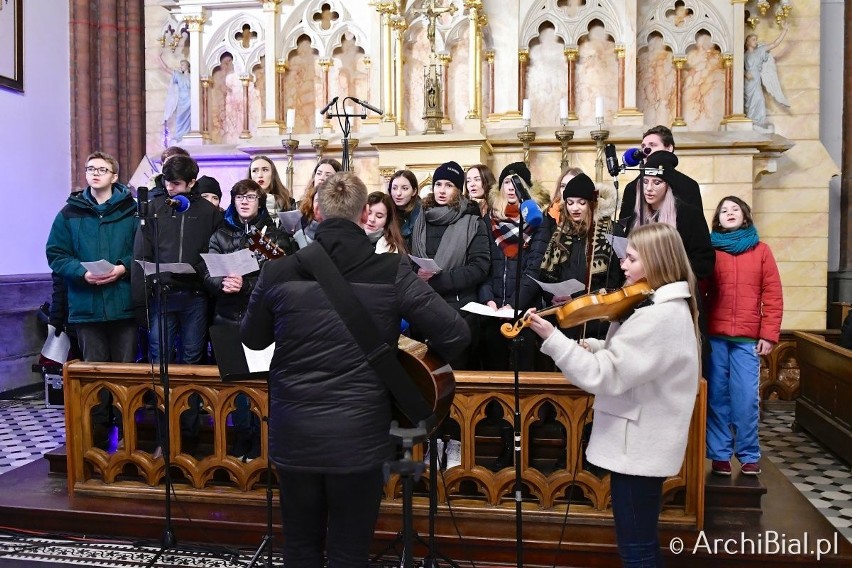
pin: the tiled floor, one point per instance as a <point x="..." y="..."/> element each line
<point x="819" y="475"/>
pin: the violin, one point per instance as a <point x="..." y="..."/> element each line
<point x="606" y="306"/>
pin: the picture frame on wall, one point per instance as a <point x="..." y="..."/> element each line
<point x="12" y="45"/>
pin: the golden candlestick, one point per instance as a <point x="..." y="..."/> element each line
<point x="599" y="136"/>
<point x="526" y="136"/>
<point x="564" y="135"/>
<point x="290" y="146"/>
<point x="319" y="144"/>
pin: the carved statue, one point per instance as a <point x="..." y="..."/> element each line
<point x="760" y="73"/>
<point x="178" y="100"/>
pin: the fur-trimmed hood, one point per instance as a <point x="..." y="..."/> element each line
<point x="540" y="195"/>
<point x="606" y="200"/>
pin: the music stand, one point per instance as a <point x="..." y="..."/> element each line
<point x="236" y="363"/>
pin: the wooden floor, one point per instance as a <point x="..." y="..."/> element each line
<point x="31" y="499"/>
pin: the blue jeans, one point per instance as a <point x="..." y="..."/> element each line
<point x="733" y="409"/>
<point x="636" y="505"/>
<point x="186" y="312"/>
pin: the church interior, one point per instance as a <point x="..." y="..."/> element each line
<point x="752" y="90"/>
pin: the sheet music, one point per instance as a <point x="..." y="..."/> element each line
<point x="173" y="267"/>
<point x="98" y="267"/>
<point x="566" y="288"/>
<point x="259" y="360"/>
<point x="619" y="245"/>
<point x="484" y="310"/>
<point x="56" y="348"/>
<point x="239" y="263"/>
<point x="425" y="263"/>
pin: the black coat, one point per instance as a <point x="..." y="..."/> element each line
<point x="459" y="285"/>
<point x="329" y="411"/>
<point x="683" y="187"/>
<point x="500" y="286"/>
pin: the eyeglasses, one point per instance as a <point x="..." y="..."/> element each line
<point x="99" y="171"/>
<point x="250" y="197"/>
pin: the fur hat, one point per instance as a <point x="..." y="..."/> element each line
<point x="207" y="184"/>
<point x="451" y="172"/>
<point x="664" y="159"/>
<point x="580" y="186"/>
<point x="519" y="168"/>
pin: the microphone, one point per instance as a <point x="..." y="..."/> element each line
<point x="633" y="156"/>
<point x="180" y="203"/>
<point x="367" y="105"/>
<point x="529" y="208"/>
<point x="330" y="104"/>
<point x="142" y="203"/>
<point x="611" y="160"/>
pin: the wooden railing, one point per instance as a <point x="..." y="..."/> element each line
<point x="554" y="418"/>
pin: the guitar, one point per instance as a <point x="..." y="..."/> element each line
<point x="432" y="377"/>
<point x="260" y="243"/>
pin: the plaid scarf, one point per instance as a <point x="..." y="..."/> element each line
<point x="505" y="231"/>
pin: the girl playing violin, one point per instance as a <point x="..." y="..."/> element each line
<point x="644" y="376"/>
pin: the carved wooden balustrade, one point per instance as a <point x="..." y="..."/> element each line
<point x="555" y="418"/>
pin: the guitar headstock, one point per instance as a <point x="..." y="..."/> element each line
<point x="260" y="243"/>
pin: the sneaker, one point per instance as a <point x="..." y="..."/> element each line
<point x="720" y="467"/>
<point x="453" y="453"/>
<point x="750" y="468"/>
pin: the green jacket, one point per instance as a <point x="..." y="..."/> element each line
<point x="85" y="231"/>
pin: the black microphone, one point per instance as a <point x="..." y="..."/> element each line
<point x="142" y="203"/>
<point x="179" y="203"/>
<point x="365" y="104"/>
<point x="529" y="208"/>
<point x="330" y="104"/>
<point x="611" y="160"/>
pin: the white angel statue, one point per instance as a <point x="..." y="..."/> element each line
<point x="178" y="100"/>
<point x="760" y="73"/>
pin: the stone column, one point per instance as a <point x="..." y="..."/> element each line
<point x="270" y="125"/>
<point x="490" y="58"/>
<point x="679" y="62"/>
<point x="474" y="73"/>
<point x="195" y="23"/>
<point x="386" y="10"/>
<point x="246" y="80"/>
<point x="571" y="54"/>
<point x="281" y="68"/>
<point x="728" y="63"/>
<point x="523" y="59"/>
<point x="205" y="117"/>
<point x="445" y="59"/>
<point x="399" y="25"/>
<point x="738" y="69"/>
<point x="619" y="52"/>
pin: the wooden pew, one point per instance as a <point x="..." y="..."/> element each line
<point x="824" y="406"/>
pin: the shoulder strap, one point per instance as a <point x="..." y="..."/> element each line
<point x="381" y="357"/>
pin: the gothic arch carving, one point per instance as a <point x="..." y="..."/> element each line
<point x="224" y="39"/>
<point x="570" y="28"/>
<point x="704" y="16"/>
<point x="301" y="23"/>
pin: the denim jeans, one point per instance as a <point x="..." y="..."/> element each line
<point x="335" y="513"/>
<point x="636" y="502"/>
<point x="186" y="312"/>
<point x="733" y="409"/>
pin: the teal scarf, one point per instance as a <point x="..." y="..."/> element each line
<point x="735" y="242"/>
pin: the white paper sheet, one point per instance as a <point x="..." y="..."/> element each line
<point x="291" y="221"/>
<point x="259" y="360"/>
<point x="483" y="310"/>
<point x="240" y="262"/>
<point x="566" y="288"/>
<point x="619" y="245"/>
<point x="98" y="267"/>
<point x="56" y="348"/>
<point x="425" y="263"/>
<point x="173" y="267"/>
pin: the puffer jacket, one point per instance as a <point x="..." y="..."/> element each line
<point x="84" y="231"/>
<point x="329" y="411"/>
<point x="744" y="298"/>
<point x="232" y="237"/>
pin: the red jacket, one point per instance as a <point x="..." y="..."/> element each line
<point x="745" y="297"/>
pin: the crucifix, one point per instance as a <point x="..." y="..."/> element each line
<point x="433" y="114"/>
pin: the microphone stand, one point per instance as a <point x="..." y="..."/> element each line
<point x="346" y="125"/>
<point x="516" y="348"/>
<point x="168" y="539"/>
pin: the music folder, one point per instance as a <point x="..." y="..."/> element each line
<point x="237" y="362"/>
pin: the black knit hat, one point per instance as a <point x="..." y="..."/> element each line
<point x="451" y="172"/>
<point x="664" y="159"/>
<point x="580" y="186"/>
<point x="207" y="184"/>
<point x="518" y="168"/>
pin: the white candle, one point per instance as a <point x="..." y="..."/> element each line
<point x="599" y="107"/>
<point x="563" y="108"/>
<point x="527" y="111"/>
<point x="291" y="118"/>
<point x="319" y="123"/>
